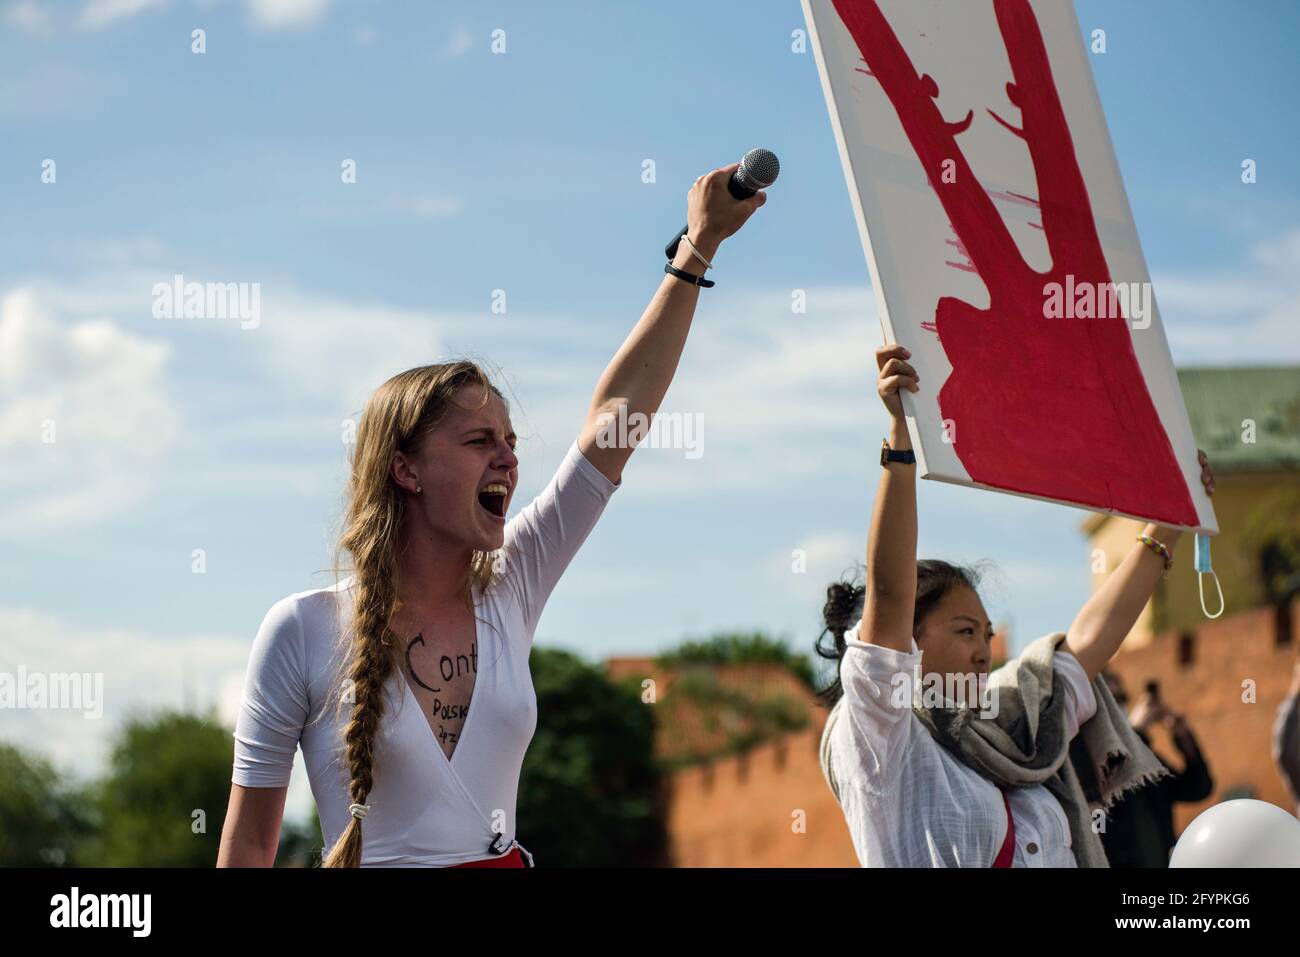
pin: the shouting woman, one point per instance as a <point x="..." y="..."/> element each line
<point x="407" y="685"/>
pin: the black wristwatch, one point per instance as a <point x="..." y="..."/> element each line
<point x="888" y="455"/>
<point x="693" y="279"/>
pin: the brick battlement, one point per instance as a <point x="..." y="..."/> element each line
<point x="1204" y="674"/>
<point x="768" y="807"/>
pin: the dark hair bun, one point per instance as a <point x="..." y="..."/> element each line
<point x="843" y="599"/>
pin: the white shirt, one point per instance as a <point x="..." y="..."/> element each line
<point x="910" y="803"/>
<point x="425" y="810"/>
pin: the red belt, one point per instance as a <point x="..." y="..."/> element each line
<point x="513" y="859"/>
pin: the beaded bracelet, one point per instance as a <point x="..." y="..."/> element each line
<point x="1159" y="549"/>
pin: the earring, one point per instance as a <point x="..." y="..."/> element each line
<point x="419" y="489"/>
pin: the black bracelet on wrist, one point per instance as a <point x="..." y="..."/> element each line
<point x="688" y="277"/>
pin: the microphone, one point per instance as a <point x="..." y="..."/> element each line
<point x="758" y="170"/>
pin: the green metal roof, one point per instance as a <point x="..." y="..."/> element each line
<point x="1218" y="402"/>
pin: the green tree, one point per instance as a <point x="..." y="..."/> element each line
<point x="720" y="717"/>
<point x="163" y="799"/>
<point x="740" y="648"/>
<point x="300" y="844"/>
<point x="590" y="791"/>
<point x="43" y="817"/>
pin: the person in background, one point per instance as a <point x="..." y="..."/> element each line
<point x="1140" y="826"/>
<point x="1286" y="739"/>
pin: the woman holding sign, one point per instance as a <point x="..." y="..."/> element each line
<point x="934" y="762"/>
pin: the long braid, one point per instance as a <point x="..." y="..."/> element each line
<point x="396" y="418"/>
<point x="367" y="674"/>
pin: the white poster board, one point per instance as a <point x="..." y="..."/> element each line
<point x="1004" y="255"/>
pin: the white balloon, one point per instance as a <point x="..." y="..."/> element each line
<point x="1241" y="833"/>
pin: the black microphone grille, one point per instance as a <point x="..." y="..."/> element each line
<point x="758" y="169"/>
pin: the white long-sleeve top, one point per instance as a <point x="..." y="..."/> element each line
<point x="425" y="810"/>
<point x="909" y="802"/>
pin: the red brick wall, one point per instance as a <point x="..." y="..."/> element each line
<point x="740" y="811"/>
<point x="1235" y="736"/>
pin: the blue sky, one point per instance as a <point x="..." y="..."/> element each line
<point x="522" y="172"/>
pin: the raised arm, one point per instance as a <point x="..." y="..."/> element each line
<point x="1108" y="616"/>
<point x="887" y="610"/>
<point x="640" y="372"/>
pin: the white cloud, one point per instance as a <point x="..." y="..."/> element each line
<point x="393" y="206"/>
<point x="433" y="207"/>
<point x="54" y="88"/>
<point x="101" y="14"/>
<point x="771" y="386"/>
<point x="1282" y="253"/>
<point x="457" y="44"/>
<point x="29" y="16"/>
<point x="117" y="383"/>
<point x="98" y="14"/>
<point x="101" y="389"/>
<point x="826" y="556"/>
<point x="1246" y="314"/>
<point x="276" y="14"/>
<point x="115" y="251"/>
<point x="832" y="553"/>
<point x="349" y="347"/>
<point x="139" y="673"/>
